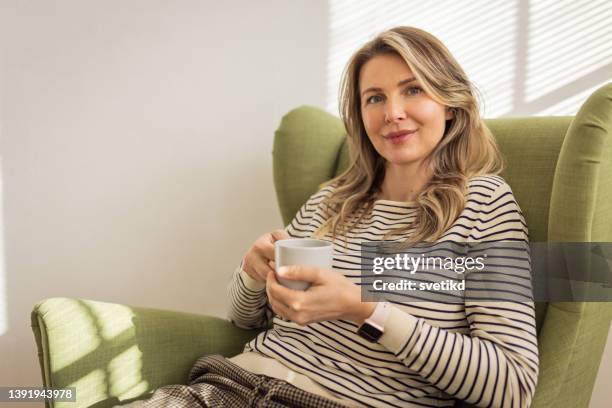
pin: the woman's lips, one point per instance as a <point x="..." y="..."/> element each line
<point x="400" y="138"/>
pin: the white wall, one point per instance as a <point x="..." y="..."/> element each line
<point x="136" y="149"/>
<point x="137" y="135"/>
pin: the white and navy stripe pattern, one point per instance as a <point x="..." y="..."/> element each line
<point x="431" y="352"/>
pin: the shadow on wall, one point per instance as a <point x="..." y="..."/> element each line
<point x="527" y="57"/>
<point x="533" y="66"/>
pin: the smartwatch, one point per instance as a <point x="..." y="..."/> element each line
<point x="374" y="326"/>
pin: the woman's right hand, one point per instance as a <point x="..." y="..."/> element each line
<point x="259" y="260"/>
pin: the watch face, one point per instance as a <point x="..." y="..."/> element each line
<point x="369" y="332"/>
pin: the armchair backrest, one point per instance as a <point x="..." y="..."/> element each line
<point x="560" y="170"/>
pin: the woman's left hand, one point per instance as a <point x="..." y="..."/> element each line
<point x="331" y="296"/>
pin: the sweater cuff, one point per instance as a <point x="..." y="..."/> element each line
<point x="251" y="283"/>
<point x="399" y="327"/>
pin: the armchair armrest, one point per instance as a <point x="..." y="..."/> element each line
<point x="113" y="353"/>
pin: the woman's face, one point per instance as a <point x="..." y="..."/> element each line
<point x="402" y="122"/>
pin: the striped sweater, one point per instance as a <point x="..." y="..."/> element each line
<point x="430" y="353"/>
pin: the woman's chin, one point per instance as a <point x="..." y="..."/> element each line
<point x="403" y="160"/>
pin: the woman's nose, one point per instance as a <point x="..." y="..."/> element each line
<point x="394" y="111"/>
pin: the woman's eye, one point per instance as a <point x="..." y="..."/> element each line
<point x="413" y="90"/>
<point x="373" y="99"/>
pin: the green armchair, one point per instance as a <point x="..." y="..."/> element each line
<point x="560" y="169"/>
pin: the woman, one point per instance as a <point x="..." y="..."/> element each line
<point x="424" y="169"/>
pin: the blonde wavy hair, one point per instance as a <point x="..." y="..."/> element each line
<point x="466" y="149"/>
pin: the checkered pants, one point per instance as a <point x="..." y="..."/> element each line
<point x="215" y="381"/>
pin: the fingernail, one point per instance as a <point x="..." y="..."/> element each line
<point x="282" y="270"/>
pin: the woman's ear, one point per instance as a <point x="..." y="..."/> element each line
<point x="450" y="113"/>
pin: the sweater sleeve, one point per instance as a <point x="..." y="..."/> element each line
<point x="496" y="363"/>
<point x="249" y="306"/>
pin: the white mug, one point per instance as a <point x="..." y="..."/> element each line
<point x="304" y="252"/>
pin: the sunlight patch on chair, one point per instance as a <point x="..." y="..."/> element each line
<point x="112" y="319"/>
<point x="89" y="386"/>
<point x="125" y="376"/>
<point x="136" y="391"/>
<point x="83" y="339"/>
